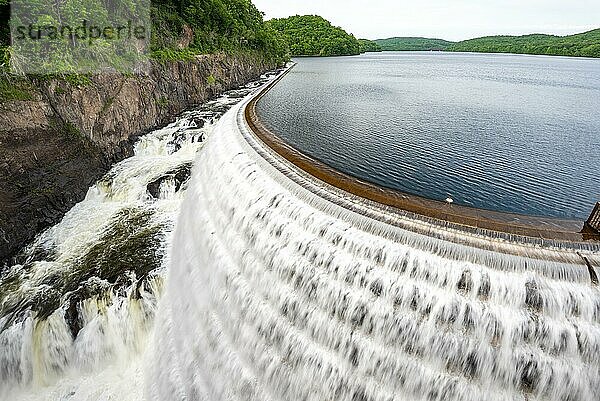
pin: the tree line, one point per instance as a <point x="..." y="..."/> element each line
<point x="368" y="46"/>
<point x="212" y="26"/>
<point x="217" y="25"/>
<point x="585" y="44"/>
<point x="312" y="35"/>
<point x="413" y="44"/>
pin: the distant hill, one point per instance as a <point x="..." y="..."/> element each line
<point x="311" y="35"/>
<point x="413" y="44"/>
<point x="367" y="46"/>
<point x="585" y="44"/>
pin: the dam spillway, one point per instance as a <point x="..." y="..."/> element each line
<point x="284" y="288"/>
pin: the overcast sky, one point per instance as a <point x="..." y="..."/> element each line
<point x="451" y="20"/>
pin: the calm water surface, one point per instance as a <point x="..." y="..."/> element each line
<point x="502" y="132"/>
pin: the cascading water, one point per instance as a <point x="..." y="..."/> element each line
<point x="276" y="293"/>
<point x="76" y="315"/>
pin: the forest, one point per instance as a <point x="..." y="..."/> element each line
<point x="213" y="26"/>
<point x="413" y="44"/>
<point x="217" y="25"/>
<point x="311" y="35"/>
<point x="368" y="46"/>
<point x="585" y="44"/>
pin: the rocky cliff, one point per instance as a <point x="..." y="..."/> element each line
<point x="62" y="140"/>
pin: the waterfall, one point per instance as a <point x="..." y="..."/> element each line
<point x="279" y="287"/>
<point x="276" y="291"/>
<point x="77" y="313"/>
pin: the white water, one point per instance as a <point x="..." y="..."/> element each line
<point x="275" y="293"/>
<point x="40" y="358"/>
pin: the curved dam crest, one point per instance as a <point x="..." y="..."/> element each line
<point x="278" y="292"/>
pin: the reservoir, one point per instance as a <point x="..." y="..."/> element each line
<point x="509" y="133"/>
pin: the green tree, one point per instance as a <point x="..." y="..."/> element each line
<point x="217" y="25"/>
<point x="367" y="46"/>
<point x="311" y="35"/>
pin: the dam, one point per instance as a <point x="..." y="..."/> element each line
<point x="283" y="286"/>
<point x="219" y="262"/>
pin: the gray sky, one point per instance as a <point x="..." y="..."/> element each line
<point x="451" y="20"/>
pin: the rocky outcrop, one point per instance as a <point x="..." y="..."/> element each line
<point x="54" y="146"/>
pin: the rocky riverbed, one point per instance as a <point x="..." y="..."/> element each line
<point x="54" y="146"/>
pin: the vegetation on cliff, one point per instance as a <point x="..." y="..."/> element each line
<point x="368" y="46"/>
<point x="14" y="88"/>
<point x="413" y="44"/>
<point x="311" y="35"/>
<point x="181" y="28"/>
<point x="209" y="26"/>
<point x="585" y="44"/>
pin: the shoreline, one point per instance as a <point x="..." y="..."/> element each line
<point x="468" y="218"/>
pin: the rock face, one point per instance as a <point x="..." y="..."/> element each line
<point x="55" y="146"/>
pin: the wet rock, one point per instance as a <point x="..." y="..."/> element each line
<point x="177" y="142"/>
<point x="181" y="176"/>
<point x="36" y="254"/>
<point x="484" y="287"/>
<point x="465" y="283"/>
<point x="353" y="358"/>
<point x="533" y="298"/>
<point x="358" y="315"/>
<point x="127" y="252"/>
<point x="45" y="302"/>
<point x="376" y="288"/>
<point x="131" y="244"/>
<point x="470" y="365"/>
<point x="92" y="288"/>
<point x="198" y="122"/>
<point x="529" y="372"/>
